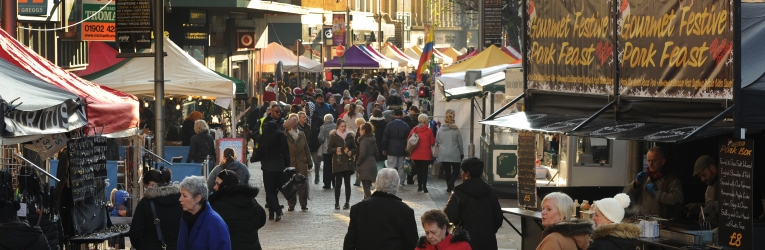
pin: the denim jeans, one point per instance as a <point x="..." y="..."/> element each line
<point x="397" y="163"/>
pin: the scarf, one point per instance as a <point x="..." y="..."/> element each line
<point x="311" y="110"/>
<point x="342" y="134"/>
<point x="654" y="175"/>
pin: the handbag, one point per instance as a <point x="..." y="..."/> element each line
<point x="460" y="225"/>
<point x="434" y="151"/>
<point x="412" y="142"/>
<point x="156" y="223"/>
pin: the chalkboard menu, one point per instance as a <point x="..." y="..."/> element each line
<point x="734" y="192"/>
<point x="492" y="23"/>
<point x="527" y="175"/>
<point x="133" y="21"/>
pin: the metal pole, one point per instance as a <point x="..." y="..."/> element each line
<point x="298" y="43"/>
<point x="159" y="77"/>
<point x="9" y="17"/>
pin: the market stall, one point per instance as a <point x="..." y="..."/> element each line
<point x="275" y="53"/>
<point x="491" y="56"/>
<point x="379" y="58"/>
<point x="354" y="58"/>
<point x="416" y="52"/>
<point x="391" y="51"/>
<point x="450" y="52"/>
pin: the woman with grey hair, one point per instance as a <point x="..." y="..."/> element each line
<point x="202" y="144"/>
<point x="323" y="138"/>
<point x="421" y="154"/>
<point x="382" y="221"/>
<point x="561" y="231"/>
<point x="201" y="226"/>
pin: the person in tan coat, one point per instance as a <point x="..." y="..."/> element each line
<point x="561" y="231"/>
<point x="300" y="158"/>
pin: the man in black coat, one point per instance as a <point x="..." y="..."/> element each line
<point x="382" y="221"/>
<point x="394" y="143"/>
<point x="275" y="115"/>
<point x="253" y="119"/>
<point x="475" y="206"/>
<point x="242" y="214"/>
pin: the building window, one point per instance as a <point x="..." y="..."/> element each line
<point x="408" y="36"/>
<point x="593" y="151"/>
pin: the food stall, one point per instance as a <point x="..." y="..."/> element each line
<point x="610" y="91"/>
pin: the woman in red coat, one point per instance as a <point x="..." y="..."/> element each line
<point x="437" y="236"/>
<point x="421" y="154"/>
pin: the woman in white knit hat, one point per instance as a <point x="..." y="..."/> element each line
<point x="609" y="232"/>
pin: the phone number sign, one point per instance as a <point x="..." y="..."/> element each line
<point x="100" y="27"/>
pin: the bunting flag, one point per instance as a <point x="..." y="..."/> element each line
<point x="427" y="54"/>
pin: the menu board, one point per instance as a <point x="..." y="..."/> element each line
<point x="133" y="21"/>
<point x="734" y="192"/>
<point x="492" y="23"/>
<point x="527" y="175"/>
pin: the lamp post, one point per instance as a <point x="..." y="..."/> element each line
<point x="159" y="77"/>
<point x="298" y="43"/>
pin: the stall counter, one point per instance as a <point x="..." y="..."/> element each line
<point x="531" y="226"/>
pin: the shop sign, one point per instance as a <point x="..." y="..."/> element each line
<point x="338" y="29"/>
<point x="198" y="16"/>
<point x="195" y="36"/>
<point x="527" y="174"/>
<point x="327" y="33"/>
<point x="570" y="46"/>
<point x="32" y="7"/>
<point x="101" y="26"/>
<point x="676" y="49"/>
<point x="492" y="23"/>
<point x="134" y="24"/>
<point x="57" y="119"/>
<point x="245" y="39"/>
<point x="735" y="194"/>
<point x="237" y="144"/>
<point x="313" y="31"/>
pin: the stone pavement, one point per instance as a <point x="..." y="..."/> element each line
<point x="323" y="227"/>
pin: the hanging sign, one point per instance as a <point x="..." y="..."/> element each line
<point x="32" y="7"/>
<point x="57" y="119"/>
<point x="492" y="23"/>
<point x="237" y="144"/>
<point x="101" y="26"/>
<point x="734" y="192"/>
<point x="527" y="174"/>
<point x="134" y="24"/>
<point x="245" y="39"/>
<point x="327" y="34"/>
<point x="339" y="28"/>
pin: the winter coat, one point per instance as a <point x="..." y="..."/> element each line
<point x="201" y="145"/>
<point x="379" y="124"/>
<point x="279" y="122"/>
<point x="143" y="232"/>
<point x="342" y="162"/>
<point x="313" y="134"/>
<point x="365" y="160"/>
<point x="241" y="170"/>
<point x="422" y="151"/>
<point x="573" y="235"/>
<point x="242" y="214"/>
<point x="187" y="131"/>
<point x="457" y="241"/>
<point x="323" y="109"/>
<point x="300" y="155"/>
<point x="668" y="202"/>
<point x="307" y="131"/>
<point x="324" y="135"/>
<point x="621" y="236"/>
<point x="449" y="141"/>
<point x="350" y="121"/>
<point x="20" y="235"/>
<point x="412" y="120"/>
<point x="475" y="206"/>
<point x="395" y="137"/>
<point x="274" y="154"/>
<point x="383" y="222"/>
<point x="208" y="232"/>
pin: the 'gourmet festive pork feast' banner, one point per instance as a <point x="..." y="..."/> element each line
<point x="673" y="48"/>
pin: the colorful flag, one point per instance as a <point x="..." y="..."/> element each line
<point x="427" y="54"/>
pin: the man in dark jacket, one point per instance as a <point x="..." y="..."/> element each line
<point x="382" y="221"/>
<point x="253" y="119"/>
<point x="475" y="206"/>
<point x="274" y="159"/>
<point x="322" y="108"/>
<point x="275" y="115"/>
<point x="341" y="85"/>
<point x="394" y="143"/>
<point x="237" y="206"/>
<point x="15" y="234"/>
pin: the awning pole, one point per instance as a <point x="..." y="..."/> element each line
<point x="471" y="146"/>
<point x="717" y="118"/>
<point x="500" y="110"/>
<point x="593" y="116"/>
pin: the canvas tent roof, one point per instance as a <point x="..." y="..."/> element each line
<point x="100" y="57"/>
<point x="114" y="113"/>
<point x="491" y="56"/>
<point x="450" y="52"/>
<point x="384" y="61"/>
<point x="273" y="53"/>
<point x="415" y="52"/>
<point x="354" y="59"/>
<point x="394" y="53"/>
<point x="184" y="75"/>
<point x="457" y="79"/>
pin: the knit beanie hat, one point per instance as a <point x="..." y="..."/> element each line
<point x="393" y="92"/>
<point x="290" y="123"/>
<point x="613" y="208"/>
<point x="8" y="210"/>
<point x="380" y="98"/>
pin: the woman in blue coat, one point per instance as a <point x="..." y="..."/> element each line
<point x="201" y="226"/>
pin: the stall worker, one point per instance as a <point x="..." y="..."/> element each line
<point x="706" y="169"/>
<point x="656" y="191"/>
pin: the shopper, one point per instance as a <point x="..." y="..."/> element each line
<point x="475" y="206"/>
<point x="450" y="151"/>
<point x="422" y="154"/>
<point x="378" y="122"/>
<point x="15" y="234"/>
<point x="164" y="197"/>
<point x="300" y="159"/>
<point x="357" y="138"/>
<point x="187" y="127"/>
<point x="609" y="232"/>
<point x="437" y="233"/>
<point x="366" y="161"/>
<point x="561" y="231"/>
<point x="201" y="227"/>
<point x="202" y="144"/>
<point x="236" y="205"/>
<point x="383" y="221"/>
<point x="230" y="163"/>
<point x="342" y="147"/>
<point x="274" y="159"/>
<point x="394" y="143"/>
<point x="323" y="138"/>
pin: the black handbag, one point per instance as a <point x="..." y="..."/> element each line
<point x="156" y="223"/>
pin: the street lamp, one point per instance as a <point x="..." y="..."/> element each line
<point x="298" y="43"/>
